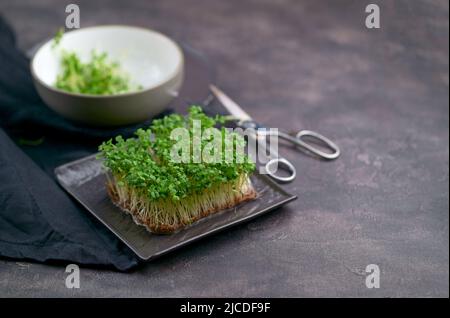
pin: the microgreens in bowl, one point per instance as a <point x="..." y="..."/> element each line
<point x="97" y="76"/>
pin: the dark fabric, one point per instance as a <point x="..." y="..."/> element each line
<point x="38" y="220"/>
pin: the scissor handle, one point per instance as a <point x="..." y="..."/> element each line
<point x="283" y="164"/>
<point x="297" y="140"/>
<point x="330" y="144"/>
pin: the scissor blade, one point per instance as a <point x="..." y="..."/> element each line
<point x="233" y="108"/>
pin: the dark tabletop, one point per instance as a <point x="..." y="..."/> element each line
<point x="381" y="94"/>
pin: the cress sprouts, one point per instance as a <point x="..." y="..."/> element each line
<point x="164" y="194"/>
<point x="97" y="76"/>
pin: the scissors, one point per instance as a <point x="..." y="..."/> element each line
<point x="245" y="121"/>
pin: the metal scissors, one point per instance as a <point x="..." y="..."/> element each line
<point x="245" y="121"/>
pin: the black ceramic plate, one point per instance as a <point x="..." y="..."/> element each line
<point x="85" y="180"/>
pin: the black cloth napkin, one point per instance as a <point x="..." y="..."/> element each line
<point x="38" y="220"/>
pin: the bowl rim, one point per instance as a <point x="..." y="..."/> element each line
<point x="160" y="83"/>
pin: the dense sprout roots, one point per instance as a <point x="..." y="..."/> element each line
<point x="166" y="216"/>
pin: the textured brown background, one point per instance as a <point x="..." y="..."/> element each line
<point x="381" y="94"/>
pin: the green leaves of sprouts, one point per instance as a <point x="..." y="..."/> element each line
<point x="145" y="164"/>
<point x="58" y="36"/>
<point x="97" y="76"/>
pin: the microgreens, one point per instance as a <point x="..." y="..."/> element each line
<point x="165" y="195"/>
<point x="98" y="76"/>
<point x="144" y="163"/>
<point x="58" y="36"/>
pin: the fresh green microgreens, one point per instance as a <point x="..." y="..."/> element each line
<point x="145" y="164"/>
<point x="97" y="76"/>
<point x="58" y="36"/>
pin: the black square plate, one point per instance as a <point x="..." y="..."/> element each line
<point x="85" y="180"/>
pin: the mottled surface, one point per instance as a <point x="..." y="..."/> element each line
<point x="381" y="94"/>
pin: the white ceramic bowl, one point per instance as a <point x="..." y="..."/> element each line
<point x="151" y="59"/>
